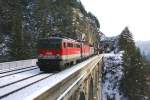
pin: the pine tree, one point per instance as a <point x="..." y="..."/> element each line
<point x="134" y="77"/>
<point x="19" y="45"/>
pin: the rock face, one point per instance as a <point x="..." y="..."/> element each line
<point x="23" y="22"/>
<point x="109" y="44"/>
<point x="66" y="18"/>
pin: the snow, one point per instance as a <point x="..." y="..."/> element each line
<point x="17" y="71"/>
<point x="14" y="87"/>
<point x="40" y="87"/>
<point x="65" y="93"/>
<point x="104" y="38"/>
<point x="112" y="74"/>
<point x="19" y="76"/>
<point x="5" y="39"/>
<point x="7" y="66"/>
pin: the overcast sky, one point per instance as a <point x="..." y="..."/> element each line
<point x="114" y="15"/>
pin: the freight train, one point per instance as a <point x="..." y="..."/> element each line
<point x="56" y="53"/>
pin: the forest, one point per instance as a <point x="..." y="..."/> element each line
<point x="23" y="22"/>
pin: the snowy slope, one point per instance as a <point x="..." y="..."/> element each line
<point x="112" y="74"/>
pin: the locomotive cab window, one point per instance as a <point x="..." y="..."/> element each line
<point x="65" y="45"/>
<point x="48" y="44"/>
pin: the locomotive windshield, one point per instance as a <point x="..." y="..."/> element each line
<point x="49" y="44"/>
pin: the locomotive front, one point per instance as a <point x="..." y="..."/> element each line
<point x="49" y="54"/>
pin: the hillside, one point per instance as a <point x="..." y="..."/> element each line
<point x="22" y="23"/>
<point x="112" y="74"/>
<point x="125" y="73"/>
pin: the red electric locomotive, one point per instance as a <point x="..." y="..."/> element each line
<point x="56" y="53"/>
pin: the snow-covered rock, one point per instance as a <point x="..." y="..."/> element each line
<point x="109" y="44"/>
<point x="112" y="75"/>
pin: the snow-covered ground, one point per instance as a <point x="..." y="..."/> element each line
<point x="25" y="90"/>
<point x="112" y="74"/>
<point x="18" y="76"/>
<point x="8" y="66"/>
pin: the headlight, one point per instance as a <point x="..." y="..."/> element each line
<point x="58" y="55"/>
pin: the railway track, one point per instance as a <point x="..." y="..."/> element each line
<point x="2" y="72"/>
<point x="17" y="71"/>
<point x="15" y="80"/>
<point x="30" y="83"/>
<point x="18" y="77"/>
